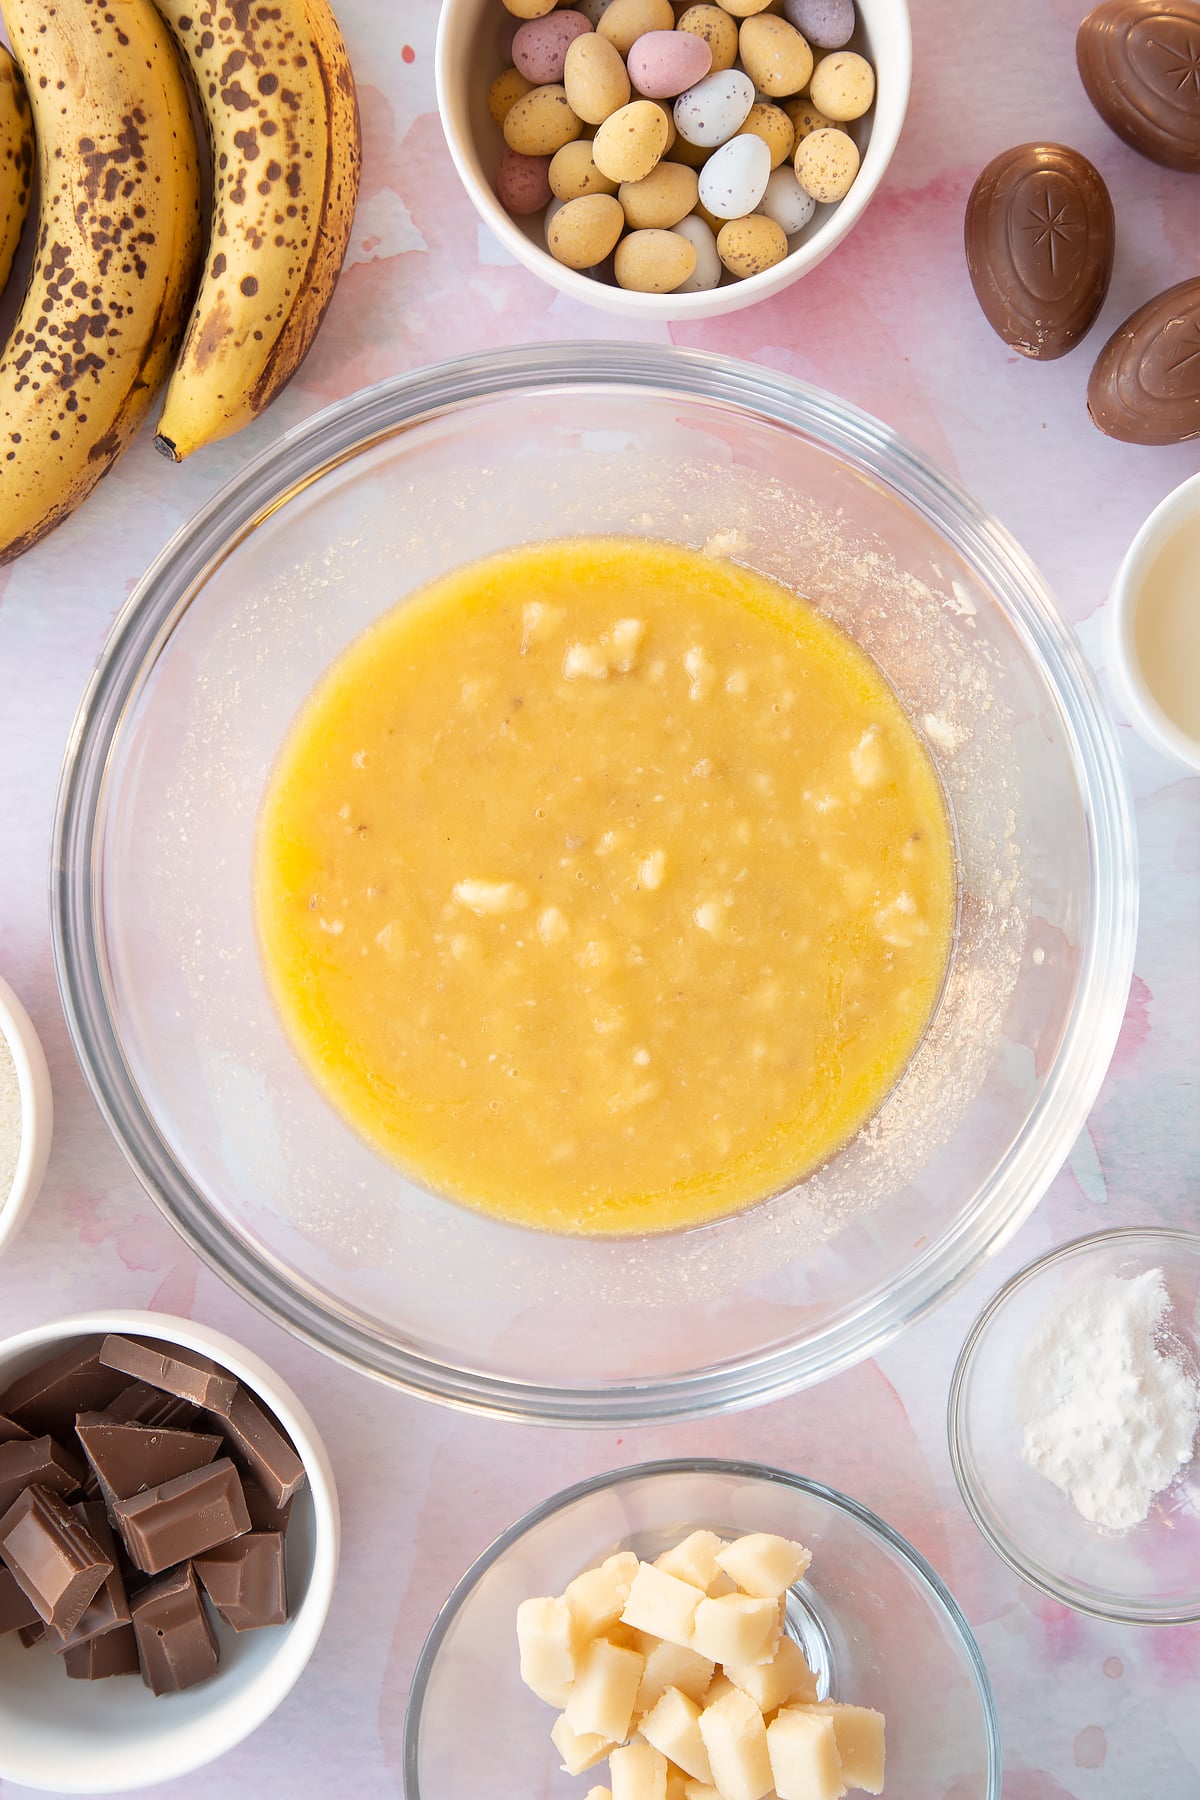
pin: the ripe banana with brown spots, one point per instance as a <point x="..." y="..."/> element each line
<point x="16" y="161"/>
<point x="116" y="255"/>
<point x="277" y="92"/>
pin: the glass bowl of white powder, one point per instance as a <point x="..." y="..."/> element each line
<point x="26" y="1113"/>
<point x="1074" y="1418"/>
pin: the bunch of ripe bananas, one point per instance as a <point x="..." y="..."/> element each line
<point x="124" y="292"/>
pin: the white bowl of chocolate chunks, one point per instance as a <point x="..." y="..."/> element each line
<point x="168" y="1547"/>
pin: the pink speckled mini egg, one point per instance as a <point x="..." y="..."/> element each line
<point x="663" y="63"/>
<point x="540" y="46"/>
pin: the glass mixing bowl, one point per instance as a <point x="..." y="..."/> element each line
<point x="1147" y="1574"/>
<point x="875" y="1624"/>
<point x="154" y="929"/>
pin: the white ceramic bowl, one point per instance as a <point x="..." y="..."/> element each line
<point x="107" y="1737"/>
<point x="468" y="58"/>
<point x="37" y="1113"/>
<point x="1145" y="712"/>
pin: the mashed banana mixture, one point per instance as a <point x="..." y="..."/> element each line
<point x="605" y="886"/>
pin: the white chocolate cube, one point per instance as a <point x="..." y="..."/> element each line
<point x="718" y="1687"/>
<point x="763" y="1564"/>
<point x="737" y="1628"/>
<point x="673" y="1726"/>
<point x="638" y="1772"/>
<point x="677" y="1783"/>
<point x="662" y="1604"/>
<point x="772" y="1684"/>
<point x="597" y="1596"/>
<point x="606" y="1682"/>
<point x="670" y="1665"/>
<point x="694" y="1560"/>
<point x="546" y="1638"/>
<point x="859" y="1731"/>
<point x="700" y="1790"/>
<point x="578" y="1751"/>
<point x="736" y="1740"/>
<point x="804" y="1756"/>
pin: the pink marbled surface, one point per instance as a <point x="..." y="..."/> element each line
<point x="1089" y="1712"/>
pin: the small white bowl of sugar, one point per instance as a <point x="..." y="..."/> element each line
<point x="26" y="1113"/>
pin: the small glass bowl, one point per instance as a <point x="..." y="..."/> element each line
<point x="1147" y="1575"/>
<point x="875" y="1623"/>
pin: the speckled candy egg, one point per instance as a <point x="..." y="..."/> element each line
<point x="522" y="183"/>
<point x="748" y="246"/>
<point x="505" y="91"/>
<point x="663" y="63"/>
<point x="584" y="231"/>
<point x="785" y="201"/>
<point x="653" y="262"/>
<point x="774" y="55"/>
<point x="573" y="172"/>
<point x="843" y="85"/>
<point x="666" y="195"/>
<point x="594" y="78"/>
<point x="826" y="164"/>
<point x="630" y="142"/>
<point x="734" y="179"/>
<point x="827" y="24"/>
<point x="707" y="272"/>
<point x="715" y="108"/>
<point x="540" y="45"/>
<point x="541" y="122"/>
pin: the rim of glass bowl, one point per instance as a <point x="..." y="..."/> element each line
<point x="701" y="1465"/>
<point x="333" y="436"/>
<point x="1005" y="1547"/>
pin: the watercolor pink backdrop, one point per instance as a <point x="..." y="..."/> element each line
<point x="1089" y="1712"/>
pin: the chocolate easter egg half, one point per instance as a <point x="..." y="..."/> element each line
<point x="1039" y="237"/>
<point x="1145" y="386"/>
<point x="1139" y="61"/>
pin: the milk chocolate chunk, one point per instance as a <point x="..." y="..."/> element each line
<point x="54" y="1559"/>
<point x="184" y="1373"/>
<point x="245" y="1580"/>
<point x="175" y="1641"/>
<point x="16" y="1608"/>
<point x="258" y="1443"/>
<point x="264" y="1514"/>
<point x="9" y="1429"/>
<point x="1145" y="386"/>
<point x="128" y="1459"/>
<point x="115" y="1653"/>
<point x="26" y="1461"/>
<point x="109" y="1608"/>
<point x="141" y="1404"/>
<point x="183" y="1518"/>
<point x="1039" y="238"/>
<point x="46" y="1399"/>
<point x="1139" y="61"/>
<point x="32" y="1634"/>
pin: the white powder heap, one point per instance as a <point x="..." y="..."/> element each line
<point x="1110" y="1417"/>
<point x="10" y="1120"/>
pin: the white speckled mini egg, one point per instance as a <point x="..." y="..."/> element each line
<point x="707" y="272"/>
<point x="715" y="108"/>
<point x="785" y="201"/>
<point x="735" y="177"/>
